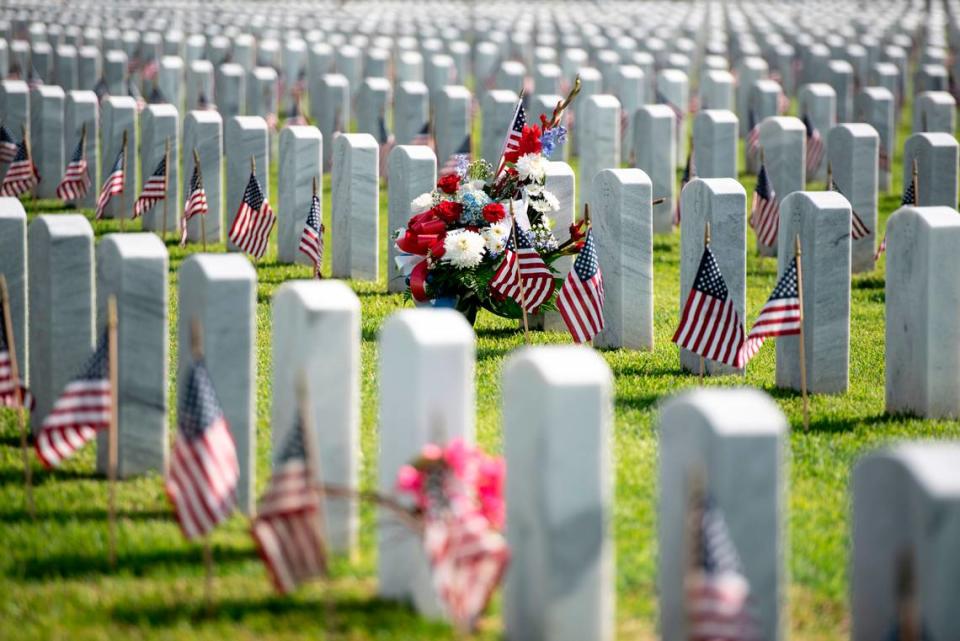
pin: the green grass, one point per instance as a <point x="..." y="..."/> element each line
<point x="57" y="584"/>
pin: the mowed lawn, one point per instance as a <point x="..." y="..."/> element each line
<point x="56" y="583"/>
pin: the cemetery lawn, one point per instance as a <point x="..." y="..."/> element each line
<point x="57" y="584"/>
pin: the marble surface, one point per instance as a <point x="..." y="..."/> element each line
<point x="673" y="86"/>
<point x="601" y="122"/>
<point x="905" y="505"/>
<point x="557" y="431"/>
<point x="875" y="107"/>
<point x="326" y="316"/>
<point x="15" y="106"/>
<point x="784" y="143"/>
<point x="722" y="202"/>
<point x="418" y="347"/>
<point x="355" y="233"/>
<point x="546" y="78"/>
<point x="408" y="67"/>
<point x="262" y="85"/>
<point x="115" y="72"/>
<point x="231" y="90"/>
<point x="497" y="108"/>
<point x="591" y="83"/>
<point x="561" y="182"/>
<point x="852" y="154"/>
<point x="934" y="111"/>
<point x="118" y="114"/>
<point x="200" y="81"/>
<point x="158" y="124"/>
<point x="373" y="99"/>
<point x="510" y="76"/>
<point x="82" y="108"/>
<point x="715" y="137"/>
<point x="348" y="61"/>
<point x="452" y="120"/>
<point x="301" y="160"/>
<point x="220" y="291"/>
<point x="623" y="224"/>
<point x="922" y="304"/>
<point x="89" y="67"/>
<point x="133" y="267"/>
<point x="13" y="266"/>
<point x="411" y="110"/>
<point x="630" y="88"/>
<point x="438" y="72"/>
<point x="60" y="299"/>
<point x="822" y="220"/>
<point x="737" y="438"/>
<point x="331" y="111"/>
<point x="936" y="156"/>
<point x="749" y="70"/>
<point x="203" y="132"/>
<point x="764" y="102"/>
<point x="244" y="136"/>
<point x="819" y="102"/>
<point x="413" y="171"/>
<point x="655" y="149"/>
<point x="46" y="137"/>
<point x="65" y="67"/>
<point x="717" y="89"/>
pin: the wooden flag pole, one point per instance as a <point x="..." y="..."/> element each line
<point x="166" y="189"/>
<point x="114" y="415"/>
<point x="17" y="395"/>
<point x="829" y="176"/>
<point x="196" y="350"/>
<point x="203" y="217"/>
<point x="803" y="344"/>
<point x="523" y="294"/>
<point x="316" y="266"/>
<point x="26" y="144"/>
<point x="123" y="198"/>
<point x="706" y="243"/>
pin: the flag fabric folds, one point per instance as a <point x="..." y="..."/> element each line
<point x="710" y="325"/>
<point x="781" y="315"/>
<point x="254" y="221"/>
<point x="9" y="386"/>
<point x="522" y="274"/>
<point x="22" y="175"/>
<point x="311" y="240"/>
<point x="580" y="301"/>
<point x="112" y="186"/>
<point x="195" y="205"/>
<point x="154" y="189"/>
<point x="82" y="409"/>
<point x="765" y="212"/>
<point x="76" y="178"/>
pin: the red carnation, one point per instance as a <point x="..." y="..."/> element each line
<point x="529" y="144"/>
<point x="448" y="211"/>
<point x="449" y="183"/>
<point x="494" y="213"/>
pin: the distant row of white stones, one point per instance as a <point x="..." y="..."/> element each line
<point x="557" y="421"/>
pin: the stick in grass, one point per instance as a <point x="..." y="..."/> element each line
<point x="17" y="394"/>
<point x="114" y="406"/>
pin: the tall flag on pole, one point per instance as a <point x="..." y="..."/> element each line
<point x="753" y="135"/>
<point x="196" y="203"/>
<point x="154" y="189"/>
<point x="514" y="133"/>
<point x="311" y="241"/>
<point x="254" y="222"/>
<point x="22" y="175"/>
<point x="580" y="301"/>
<point x="76" y="178"/>
<point x="83" y="409"/>
<point x="781" y="315"/>
<point x="765" y="212"/>
<point x="689" y="173"/>
<point x="521" y="261"/>
<point x="288" y="529"/>
<point x="8" y="146"/>
<point x="9" y="386"/>
<point x="461" y="155"/>
<point x="113" y="185"/>
<point x="710" y="325"/>
<point x="204" y="471"/>
<point x="717" y="592"/>
<point x="815" y="146"/>
<point x="909" y="198"/>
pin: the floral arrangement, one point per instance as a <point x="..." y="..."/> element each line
<point x="457" y="492"/>
<point x="460" y="231"/>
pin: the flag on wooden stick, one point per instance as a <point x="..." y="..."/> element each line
<point x="254" y="221"/>
<point x="580" y="301"/>
<point x="765" y="213"/>
<point x="311" y="241"/>
<point x="76" y="178"/>
<point x="22" y="175"/>
<point x="781" y="315"/>
<point x="196" y="203"/>
<point x="522" y="274"/>
<point x="154" y="189"/>
<point x="113" y="185"/>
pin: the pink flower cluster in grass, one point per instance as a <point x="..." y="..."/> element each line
<point x="472" y="480"/>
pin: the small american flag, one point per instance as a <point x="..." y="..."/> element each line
<point x="100" y="89"/>
<point x="717" y="592"/>
<point x="296" y="118"/>
<point x="387" y="142"/>
<point x="689" y="173"/>
<point x="780" y="316"/>
<point x="204" y="471"/>
<point x="311" y="241"/>
<point x="580" y="301"/>
<point x="34" y="79"/>
<point x="753" y="136"/>
<point x="858" y="229"/>
<point x="149" y="71"/>
<point x="288" y="530"/>
<point x="195" y="205"/>
<point x="22" y="175"/>
<point x="134" y="93"/>
<point x="815" y="146"/>
<point x="883" y="158"/>
<point x="8" y="146"/>
<point x="9" y="386"/>
<point x="254" y="222"/>
<point x="423" y="137"/>
<point x="76" y="179"/>
<point x="154" y="189"/>
<point x="84" y="407"/>
<point x="112" y="185"/>
<point x="909" y="198"/>
<point x="523" y="262"/>
<point x="765" y="212"/>
<point x="710" y="325"/>
<point x="512" y="141"/>
<point x="459" y="156"/>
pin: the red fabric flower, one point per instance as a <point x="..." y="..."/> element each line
<point x="449" y="183"/>
<point x="494" y="213"/>
<point x="448" y="211"/>
<point x="529" y="144"/>
<point x="437" y="249"/>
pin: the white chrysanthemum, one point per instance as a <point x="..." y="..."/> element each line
<point x="473" y="185"/>
<point x="421" y="203"/>
<point x="495" y="236"/>
<point x="533" y="189"/>
<point x="531" y="167"/>
<point x="546" y="203"/>
<point x="463" y="248"/>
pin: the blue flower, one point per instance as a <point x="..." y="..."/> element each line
<point x="473" y="204"/>
<point x="552" y="138"/>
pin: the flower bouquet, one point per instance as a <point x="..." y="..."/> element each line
<point x="484" y="237"/>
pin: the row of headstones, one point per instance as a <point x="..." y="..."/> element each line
<point x="559" y="508"/>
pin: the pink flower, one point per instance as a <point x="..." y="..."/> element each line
<point x="409" y="479"/>
<point x="431" y="452"/>
<point x="458" y="455"/>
